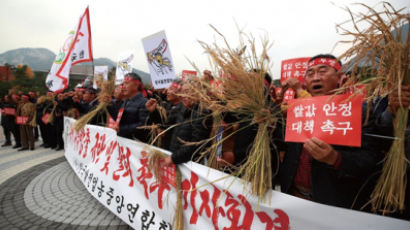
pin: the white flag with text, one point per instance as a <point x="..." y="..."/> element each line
<point x="76" y="49"/>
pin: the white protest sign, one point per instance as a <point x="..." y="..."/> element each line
<point x="159" y="59"/>
<point x="123" y="66"/>
<point x="100" y="70"/>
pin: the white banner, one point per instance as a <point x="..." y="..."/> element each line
<point x="71" y="53"/>
<point x="103" y="70"/>
<point x="115" y="171"/>
<point x="123" y="66"/>
<point x="159" y="59"/>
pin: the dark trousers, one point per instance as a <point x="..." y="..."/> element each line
<point x="43" y="133"/>
<point x="27" y="137"/>
<point x="36" y="132"/>
<point x="7" y="134"/>
<point x="59" y="124"/>
<point x="16" y="134"/>
<point x="51" y="135"/>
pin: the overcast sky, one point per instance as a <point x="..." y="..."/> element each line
<point x="298" y="28"/>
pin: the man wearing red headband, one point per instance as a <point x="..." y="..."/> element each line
<point x="396" y="101"/>
<point x="15" y="128"/>
<point x="132" y="113"/>
<point x="6" y="130"/>
<point x="323" y="173"/>
<point x="88" y="96"/>
<point x="33" y="99"/>
<point x="26" y="114"/>
<point x="8" y="122"/>
<point x="173" y="108"/>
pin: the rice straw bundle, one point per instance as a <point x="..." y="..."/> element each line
<point x="243" y="93"/>
<point x="33" y="122"/>
<point x="154" y="157"/>
<point x="217" y="122"/>
<point x="27" y="109"/>
<point x="107" y="90"/>
<point x="50" y="118"/>
<point x="156" y="129"/>
<point x="383" y="46"/>
<point x="154" y="134"/>
<point x="51" y="100"/>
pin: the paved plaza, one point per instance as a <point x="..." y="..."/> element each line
<point x="39" y="190"/>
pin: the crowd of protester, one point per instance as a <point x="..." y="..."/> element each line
<point x="334" y="175"/>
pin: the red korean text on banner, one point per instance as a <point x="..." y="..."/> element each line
<point x="294" y="68"/>
<point x="21" y="120"/>
<point x="44" y="118"/>
<point x="10" y="111"/>
<point x="336" y="120"/>
<point x="187" y="73"/>
<point x="168" y="173"/>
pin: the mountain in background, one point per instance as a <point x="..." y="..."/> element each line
<point x="41" y="59"/>
<point x="36" y="58"/>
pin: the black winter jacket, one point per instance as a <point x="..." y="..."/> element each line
<point x="174" y="115"/>
<point x="194" y="126"/>
<point x="339" y="187"/>
<point x="135" y="115"/>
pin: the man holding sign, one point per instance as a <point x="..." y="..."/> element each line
<point x="132" y="112"/>
<point x="317" y="170"/>
<point x="25" y="116"/>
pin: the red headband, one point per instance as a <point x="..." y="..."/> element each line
<point x="80" y="89"/>
<point x="325" y="61"/>
<point x="136" y="81"/>
<point x="176" y="86"/>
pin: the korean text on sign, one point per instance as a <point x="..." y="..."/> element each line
<point x="293" y="68"/>
<point x="335" y="120"/>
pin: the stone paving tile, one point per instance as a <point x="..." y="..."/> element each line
<point x="7" y="152"/>
<point x="60" y="197"/>
<point x="18" y="157"/>
<point x="35" y="186"/>
<point x="10" y="172"/>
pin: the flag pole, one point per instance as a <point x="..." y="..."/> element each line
<point x="91" y="45"/>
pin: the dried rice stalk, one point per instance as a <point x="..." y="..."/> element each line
<point x="107" y="89"/>
<point x="243" y="93"/>
<point x="156" y="130"/>
<point x="217" y="122"/>
<point x="50" y="99"/>
<point x="154" y="157"/>
<point x="33" y="122"/>
<point x="387" y="55"/>
<point x="50" y="118"/>
<point x="154" y="134"/>
<point x="179" y="212"/>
